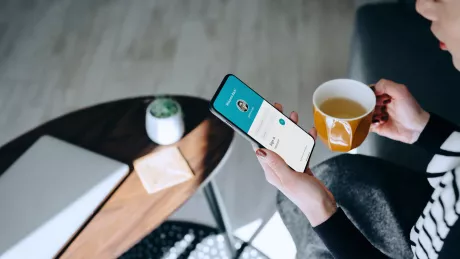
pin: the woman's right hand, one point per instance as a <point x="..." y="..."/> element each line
<point x="397" y="114"/>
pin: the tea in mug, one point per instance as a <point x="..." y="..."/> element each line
<point x="342" y="108"/>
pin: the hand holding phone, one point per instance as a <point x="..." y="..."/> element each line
<point x="309" y="194"/>
<point x="285" y="148"/>
<point x="305" y="190"/>
<point x="257" y="120"/>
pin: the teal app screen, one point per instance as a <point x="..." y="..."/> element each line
<point x="253" y="115"/>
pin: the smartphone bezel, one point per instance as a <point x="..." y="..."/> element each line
<point x="241" y="132"/>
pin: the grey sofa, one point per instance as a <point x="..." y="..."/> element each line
<point x="392" y="41"/>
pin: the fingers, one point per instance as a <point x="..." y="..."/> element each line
<point x="383" y="99"/>
<point x="394" y="90"/>
<point x="313" y="133"/>
<point x="274" y="161"/>
<point x="380" y="109"/>
<point x="294" y="117"/>
<point x="275" y="169"/>
<point x="278" y="106"/>
<point x="380" y="118"/>
<point x="380" y="113"/>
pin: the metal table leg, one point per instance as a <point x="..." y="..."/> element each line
<point x="219" y="212"/>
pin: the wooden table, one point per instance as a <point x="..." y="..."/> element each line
<point x="116" y="130"/>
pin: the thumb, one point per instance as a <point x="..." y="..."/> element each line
<point x="274" y="161"/>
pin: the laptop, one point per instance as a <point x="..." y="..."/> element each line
<point x="49" y="193"/>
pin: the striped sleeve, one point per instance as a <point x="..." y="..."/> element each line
<point x="443" y="139"/>
<point x="431" y="236"/>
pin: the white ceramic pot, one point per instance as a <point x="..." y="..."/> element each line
<point x="164" y="131"/>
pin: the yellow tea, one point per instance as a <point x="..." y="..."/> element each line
<point x="342" y="108"/>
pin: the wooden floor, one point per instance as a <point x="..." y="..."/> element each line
<point x="60" y="55"/>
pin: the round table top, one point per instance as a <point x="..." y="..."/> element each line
<point x="117" y="130"/>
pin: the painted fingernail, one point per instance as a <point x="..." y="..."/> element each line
<point x="261" y="153"/>
<point x="385" y="118"/>
<point x="384" y="108"/>
<point x="387" y="101"/>
<point x="375" y="121"/>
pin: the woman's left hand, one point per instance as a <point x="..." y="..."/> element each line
<point x="304" y="189"/>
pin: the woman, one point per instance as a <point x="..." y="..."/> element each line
<point x="384" y="210"/>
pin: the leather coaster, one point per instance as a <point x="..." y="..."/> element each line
<point x="162" y="169"/>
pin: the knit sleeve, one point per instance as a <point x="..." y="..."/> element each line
<point x="344" y="240"/>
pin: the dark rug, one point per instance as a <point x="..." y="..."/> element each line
<point x="176" y="239"/>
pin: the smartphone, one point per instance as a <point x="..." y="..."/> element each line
<point x="261" y="123"/>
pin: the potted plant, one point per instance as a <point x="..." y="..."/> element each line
<point x="163" y="121"/>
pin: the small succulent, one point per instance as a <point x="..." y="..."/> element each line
<point x="164" y="107"/>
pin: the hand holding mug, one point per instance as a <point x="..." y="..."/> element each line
<point x="304" y="189"/>
<point x="397" y="114"/>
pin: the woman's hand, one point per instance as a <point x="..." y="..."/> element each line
<point x="307" y="192"/>
<point x="397" y="114"/>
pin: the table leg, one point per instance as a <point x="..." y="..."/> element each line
<point x="215" y="202"/>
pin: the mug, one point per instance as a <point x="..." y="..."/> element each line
<point x="343" y="135"/>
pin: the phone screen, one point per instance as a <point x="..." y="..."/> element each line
<point x="262" y="122"/>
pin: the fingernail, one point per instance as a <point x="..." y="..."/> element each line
<point x="375" y="121"/>
<point x="261" y="153"/>
<point x="384" y="108"/>
<point x="385" y="118"/>
<point x="387" y="101"/>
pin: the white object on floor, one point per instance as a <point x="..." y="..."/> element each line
<point x="245" y="232"/>
<point x="48" y="193"/>
<point x="273" y="240"/>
